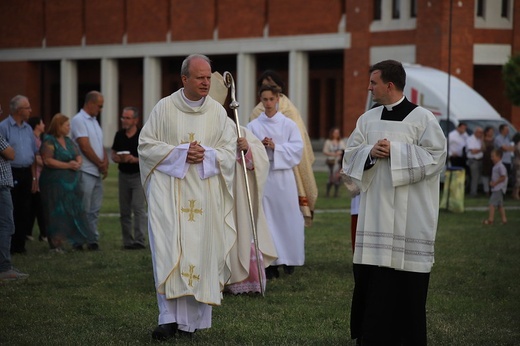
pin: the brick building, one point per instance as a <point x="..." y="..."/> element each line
<point x="54" y="51"/>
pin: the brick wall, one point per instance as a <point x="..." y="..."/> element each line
<point x="462" y="41"/>
<point x="241" y="18"/>
<point x="22" y="23"/>
<point x="64" y="23"/>
<point x="357" y="60"/>
<point x="104" y="21"/>
<point x="21" y="81"/>
<point x="192" y="20"/>
<point x="296" y="17"/>
<point x="148" y="21"/>
<point x="430" y="34"/>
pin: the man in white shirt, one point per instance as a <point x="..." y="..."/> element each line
<point x="457" y="145"/>
<point x="475" y="153"/>
<point x="87" y="133"/>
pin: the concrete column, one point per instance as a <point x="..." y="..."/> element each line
<point x="68" y="87"/>
<point x="246" y="86"/>
<point x="110" y="90"/>
<point x="299" y="82"/>
<point x="151" y="85"/>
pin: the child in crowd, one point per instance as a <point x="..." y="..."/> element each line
<point x="498" y="185"/>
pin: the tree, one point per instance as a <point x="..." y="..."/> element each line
<point x="511" y="76"/>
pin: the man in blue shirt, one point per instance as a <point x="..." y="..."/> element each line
<point x="20" y="137"/>
<point x="7" y="271"/>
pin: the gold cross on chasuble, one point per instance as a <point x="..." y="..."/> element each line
<point x="190" y="275"/>
<point x="191" y="210"/>
<point x="191" y="138"/>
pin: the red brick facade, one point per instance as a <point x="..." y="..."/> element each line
<point x="147" y="21"/>
<point x="294" y="17"/>
<point x="192" y="20"/>
<point x="65" y="23"/>
<point x="241" y="18"/>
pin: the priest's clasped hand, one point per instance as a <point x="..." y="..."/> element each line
<point x="268" y="143"/>
<point x="381" y="149"/>
<point x="195" y="153"/>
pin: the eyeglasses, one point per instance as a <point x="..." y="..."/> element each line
<point x="126" y="118"/>
<point x="25" y="107"/>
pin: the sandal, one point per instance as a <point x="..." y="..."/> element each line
<point x="503" y="223"/>
<point x="487" y="222"/>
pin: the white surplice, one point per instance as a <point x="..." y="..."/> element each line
<point x="399" y="203"/>
<point x="189" y="206"/>
<point x="303" y="172"/>
<point x="280" y="201"/>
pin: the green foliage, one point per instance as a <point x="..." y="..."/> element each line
<point x="108" y="297"/>
<point x="511" y="76"/>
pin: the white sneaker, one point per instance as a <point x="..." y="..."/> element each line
<point x="13" y="274"/>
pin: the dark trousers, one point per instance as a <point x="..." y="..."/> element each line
<point x="388" y="306"/>
<point x="38" y="214"/>
<point x="22" y="209"/>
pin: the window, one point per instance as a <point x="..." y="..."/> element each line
<point x="505" y="9"/>
<point x="396" y="4"/>
<point x="480" y="8"/>
<point x="413" y="8"/>
<point x="377" y="9"/>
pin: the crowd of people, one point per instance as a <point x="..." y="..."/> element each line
<point x="473" y="154"/>
<point x="184" y="174"/>
<point x="189" y="165"/>
<point x="53" y="176"/>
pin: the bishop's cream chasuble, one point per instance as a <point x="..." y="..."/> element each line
<point x="399" y="203"/>
<point x="189" y="206"/>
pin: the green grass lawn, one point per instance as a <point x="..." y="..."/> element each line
<point x="108" y="298"/>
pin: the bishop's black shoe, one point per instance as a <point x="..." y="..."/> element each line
<point x="271" y="272"/>
<point x="288" y="269"/>
<point x="185" y="334"/>
<point x="164" y="332"/>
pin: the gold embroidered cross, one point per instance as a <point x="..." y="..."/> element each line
<point x="191" y="138"/>
<point x="191" y="210"/>
<point x="191" y="276"/>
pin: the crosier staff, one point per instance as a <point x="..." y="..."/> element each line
<point x="229" y="82"/>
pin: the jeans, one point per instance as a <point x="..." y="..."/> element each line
<point x="92" y="189"/>
<point x="6" y="227"/>
<point x="131" y="200"/>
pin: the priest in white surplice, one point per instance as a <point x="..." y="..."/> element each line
<point x="187" y="151"/>
<point x="303" y="173"/>
<point x="395" y="155"/>
<point x="282" y="140"/>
